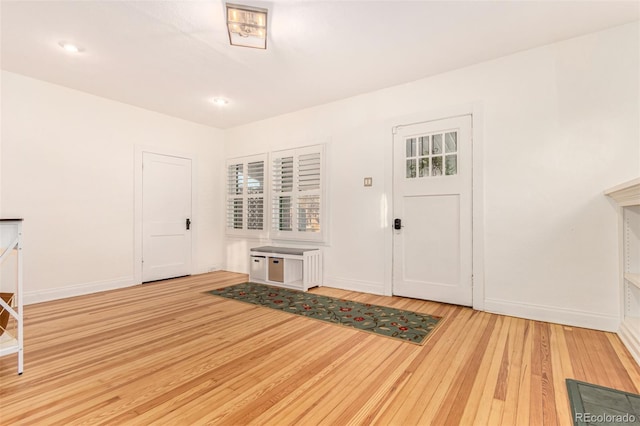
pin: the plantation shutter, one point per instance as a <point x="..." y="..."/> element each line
<point x="308" y="207"/>
<point x="255" y="195"/>
<point x="235" y="188"/>
<point x="282" y="217"/>
<point x="297" y="193"/>
<point x="246" y="213"/>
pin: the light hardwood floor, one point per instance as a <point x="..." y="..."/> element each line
<point x="168" y="353"/>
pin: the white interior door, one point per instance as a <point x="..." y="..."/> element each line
<point x="166" y="217"/>
<point x="432" y="249"/>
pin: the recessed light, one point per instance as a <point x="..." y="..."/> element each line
<point x="70" y="47"/>
<point x="220" y="101"/>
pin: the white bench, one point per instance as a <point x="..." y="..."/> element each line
<point x="297" y="268"/>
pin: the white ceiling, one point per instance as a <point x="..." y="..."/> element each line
<point x="174" y="56"/>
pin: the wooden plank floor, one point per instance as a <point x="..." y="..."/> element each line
<point x="168" y="353"/>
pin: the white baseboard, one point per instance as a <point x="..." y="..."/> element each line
<point x="354" y="285"/>
<point x="553" y="314"/>
<point x="206" y="269"/>
<point x="630" y="340"/>
<point x="77" y="290"/>
<point x="237" y="270"/>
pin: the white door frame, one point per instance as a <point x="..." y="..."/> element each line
<point x="476" y="112"/>
<point x="137" y="209"/>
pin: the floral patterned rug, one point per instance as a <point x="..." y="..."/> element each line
<point x="390" y="322"/>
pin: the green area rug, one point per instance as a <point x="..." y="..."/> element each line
<point x="597" y="405"/>
<point x="390" y="322"/>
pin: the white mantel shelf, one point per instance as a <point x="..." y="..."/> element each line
<point x="626" y="194"/>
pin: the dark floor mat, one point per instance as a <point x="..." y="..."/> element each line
<point x="593" y="405"/>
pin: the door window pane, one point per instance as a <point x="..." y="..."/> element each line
<point x="411" y="168"/>
<point x="451" y="141"/>
<point x="411" y="147"/>
<point x="424" y="167"/>
<point x="436" y="166"/>
<point x="424" y="145"/>
<point x="451" y="164"/>
<point x="436" y="146"/>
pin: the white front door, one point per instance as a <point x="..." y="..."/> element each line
<point x="166" y="217"/>
<point x="432" y="241"/>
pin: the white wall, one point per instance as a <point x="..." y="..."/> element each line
<point x="557" y="125"/>
<point x="68" y="170"/>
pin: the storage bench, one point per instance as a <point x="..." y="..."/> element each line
<point x="297" y="268"/>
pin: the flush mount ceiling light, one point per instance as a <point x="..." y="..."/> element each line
<point x="70" y="47"/>
<point x="247" y="26"/>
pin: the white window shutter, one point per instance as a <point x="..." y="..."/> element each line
<point x="235" y="188"/>
<point x="282" y="188"/>
<point x="297" y="194"/>
<point x="246" y="182"/>
<point x="309" y="179"/>
<point x="255" y="195"/>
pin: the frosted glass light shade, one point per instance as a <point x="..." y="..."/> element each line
<point x="247" y="26"/>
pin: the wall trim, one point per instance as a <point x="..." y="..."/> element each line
<point x="31" y="297"/>
<point x="354" y="285"/>
<point x="554" y="314"/>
